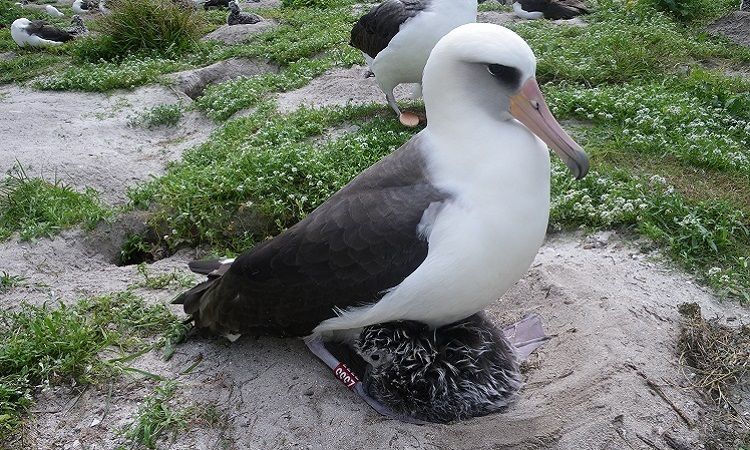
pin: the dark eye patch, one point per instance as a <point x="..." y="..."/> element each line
<point x="510" y="76"/>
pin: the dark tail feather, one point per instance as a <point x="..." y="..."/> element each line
<point x="212" y="268"/>
<point x="202" y="295"/>
<point x="191" y="300"/>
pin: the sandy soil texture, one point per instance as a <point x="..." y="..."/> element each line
<point x="734" y="26"/>
<point x="85" y="139"/>
<point x="610" y="309"/>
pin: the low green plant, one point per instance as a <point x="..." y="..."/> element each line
<point x="34" y="207"/>
<point x="701" y="120"/>
<point x="158" y="414"/>
<point x="160" y="281"/>
<point x="619" y="44"/>
<point x="158" y="116"/>
<point x="155" y="416"/>
<point x="104" y="76"/>
<point x="689" y="10"/>
<point x="222" y="100"/>
<point x="323" y="4"/>
<point x="262" y="173"/>
<point x="28" y="65"/>
<point x="135" y="249"/>
<point x="710" y="238"/>
<point x="8" y="281"/>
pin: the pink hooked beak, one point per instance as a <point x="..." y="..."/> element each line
<point x="529" y="107"/>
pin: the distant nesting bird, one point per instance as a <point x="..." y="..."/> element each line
<point x="79" y="28"/>
<point x="458" y="371"/>
<point x="237" y="17"/>
<point x="215" y="4"/>
<point x="37" y="33"/>
<point x="49" y="9"/>
<point x="85" y="6"/>
<point x="549" y="9"/>
<point x="397" y="36"/>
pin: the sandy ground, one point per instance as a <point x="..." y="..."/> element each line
<point x="84" y="139"/>
<point x="610" y="309"/>
<point x="734" y="26"/>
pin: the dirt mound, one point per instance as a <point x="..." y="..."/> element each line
<point x="237" y="34"/>
<point x="194" y="82"/>
<point x="734" y="26"/>
<point x="608" y="379"/>
<point x="338" y="87"/>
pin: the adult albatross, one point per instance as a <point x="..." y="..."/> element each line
<point x="38" y="33"/>
<point x="432" y="233"/>
<point x="396" y="38"/>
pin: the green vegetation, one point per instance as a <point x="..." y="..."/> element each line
<point x="42" y="345"/>
<point x="35" y="207"/>
<point x="8" y="281"/>
<point x="162" y="115"/>
<point x="260" y="174"/>
<point x="620" y="45"/>
<point x="160" y="27"/>
<point x="155" y="416"/>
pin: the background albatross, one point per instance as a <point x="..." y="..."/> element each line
<point x="433" y="232"/>
<point x="396" y="38"/>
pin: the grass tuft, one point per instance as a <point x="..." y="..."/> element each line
<point x="35" y="207"/>
<point x="161" y="281"/>
<point x="710" y="238"/>
<point x="158" y="116"/>
<point x="156" y="27"/>
<point x="155" y="416"/>
<point x="262" y="173"/>
<point x="42" y="345"/>
<point x="8" y="281"/>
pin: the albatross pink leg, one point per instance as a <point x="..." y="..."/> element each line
<point x="350" y="380"/>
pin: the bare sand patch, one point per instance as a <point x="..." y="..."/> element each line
<point x="85" y="139"/>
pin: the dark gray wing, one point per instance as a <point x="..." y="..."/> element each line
<point x="360" y="242"/>
<point x="43" y="30"/>
<point x="555" y="9"/>
<point x="374" y="31"/>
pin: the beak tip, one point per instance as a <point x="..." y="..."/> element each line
<point x="578" y="164"/>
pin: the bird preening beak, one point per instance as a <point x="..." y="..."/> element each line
<point x="529" y="107"/>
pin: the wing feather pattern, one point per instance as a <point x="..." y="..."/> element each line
<point x="43" y="30"/>
<point x="374" y="31"/>
<point x="361" y="242"/>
